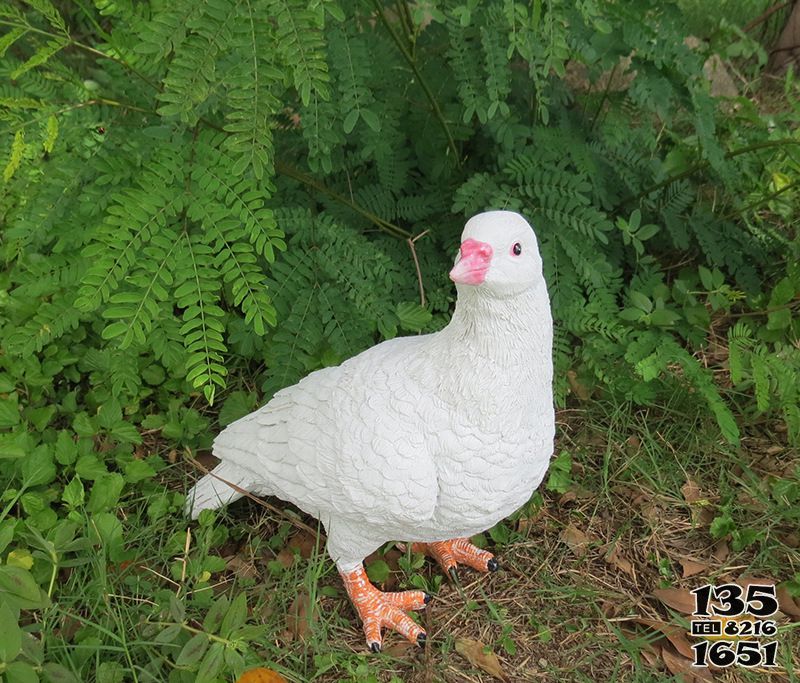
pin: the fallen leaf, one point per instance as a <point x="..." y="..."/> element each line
<point x="682" y="668"/>
<point x="786" y="603"/>
<point x="790" y="605"/>
<point x="477" y="654"/>
<point x="677" y="598"/>
<point x="285" y="557"/>
<point x="633" y="442"/>
<point x="674" y="634"/>
<point x="242" y="567"/>
<point x="691" y="491"/>
<point x="578" y="389"/>
<point x="577" y="541"/>
<point x="690" y="567"/>
<point x="791" y="539"/>
<point x="300" y="616"/>
<point x="652" y="657"/>
<point x="721" y="551"/>
<point x="400" y="649"/>
<point x="568" y="497"/>
<point x="304" y="543"/>
<point x="261" y="675"/>
<point x="621" y="562"/>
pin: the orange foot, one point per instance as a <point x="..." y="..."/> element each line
<point x="449" y="554"/>
<point x="378" y="609"/>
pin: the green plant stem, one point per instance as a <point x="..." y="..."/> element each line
<point x="82" y="105"/>
<point x="387" y="227"/>
<point x="70" y="42"/>
<point x="605" y="96"/>
<point x="762" y="200"/>
<point x="423" y="83"/>
<point x="700" y="165"/>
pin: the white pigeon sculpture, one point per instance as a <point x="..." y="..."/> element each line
<point x="428" y="439"/>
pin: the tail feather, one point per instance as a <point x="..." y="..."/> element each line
<point x="213" y="490"/>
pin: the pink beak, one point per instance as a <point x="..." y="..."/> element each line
<point x="474" y="263"/>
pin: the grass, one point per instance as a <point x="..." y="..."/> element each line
<point x="580" y="565"/>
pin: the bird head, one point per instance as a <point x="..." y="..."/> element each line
<point x="498" y="254"/>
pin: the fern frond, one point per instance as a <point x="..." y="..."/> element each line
<point x="250" y="98"/>
<point x="197" y="293"/>
<point x="301" y="45"/>
<point x="134" y="218"/>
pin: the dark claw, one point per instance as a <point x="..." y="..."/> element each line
<point x="422" y="638"/>
<point x="428" y="597"/>
<point x="375" y="647"/>
<point x="453" y="574"/>
<point x="493" y="565"/>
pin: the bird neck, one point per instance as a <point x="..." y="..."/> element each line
<point x="510" y="329"/>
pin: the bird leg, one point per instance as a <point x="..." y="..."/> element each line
<point x="378" y="609"/>
<point x="449" y="554"/>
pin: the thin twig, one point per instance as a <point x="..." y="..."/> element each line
<point x="699" y="166"/>
<point x="423" y="83"/>
<point x="82" y="46"/>
<point x="605" y="96"/>
<point x="766" y="15"/>
<point x="411" y="245"/>
<point x="762" y="200"/>
<point x="390" y="228"/>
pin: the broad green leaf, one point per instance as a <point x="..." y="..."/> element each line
<point x="10" y="633"/>
<point x="21" y="672"/>
<point x="19" y="589"/>
<point x="193" y="651"/>
<point x="378" y="571"/>
<point x="235" y="616"/>
<point x="38" y="468"/>
<point x="105" y="492"/>
<point x="211" y="664"/>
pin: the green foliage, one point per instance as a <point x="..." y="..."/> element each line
<point x="198" y="205"/>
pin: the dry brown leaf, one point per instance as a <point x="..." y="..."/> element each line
<point x="578" y="389"/>
<point x="477" y="654"/>
<point x="261" y="675"/>
<point x="304" y="543"/>
<point x="690" y="567"/>
<point x="721" y="551"/>
<point x="681" y="667"/>
<point x="677" y="598"/>
<point x="791" y="539"/>
<point x="300" y="616"/>
<point x="577" y="541"/>
<point x="621" y="562"/>
<point x="285" y="557"/>
<point x="787" y="604"/>
<point x="568" y="497"/>
<point x="691" y="491"/>
<point x="652" y="657"/>
<point x="675" y="634"/>
<point x="790" y="606"/>
<point x="401" y="649"/>
<point x="242" y="567"/>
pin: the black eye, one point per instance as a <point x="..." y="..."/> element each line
<point x="516" y="249"/>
